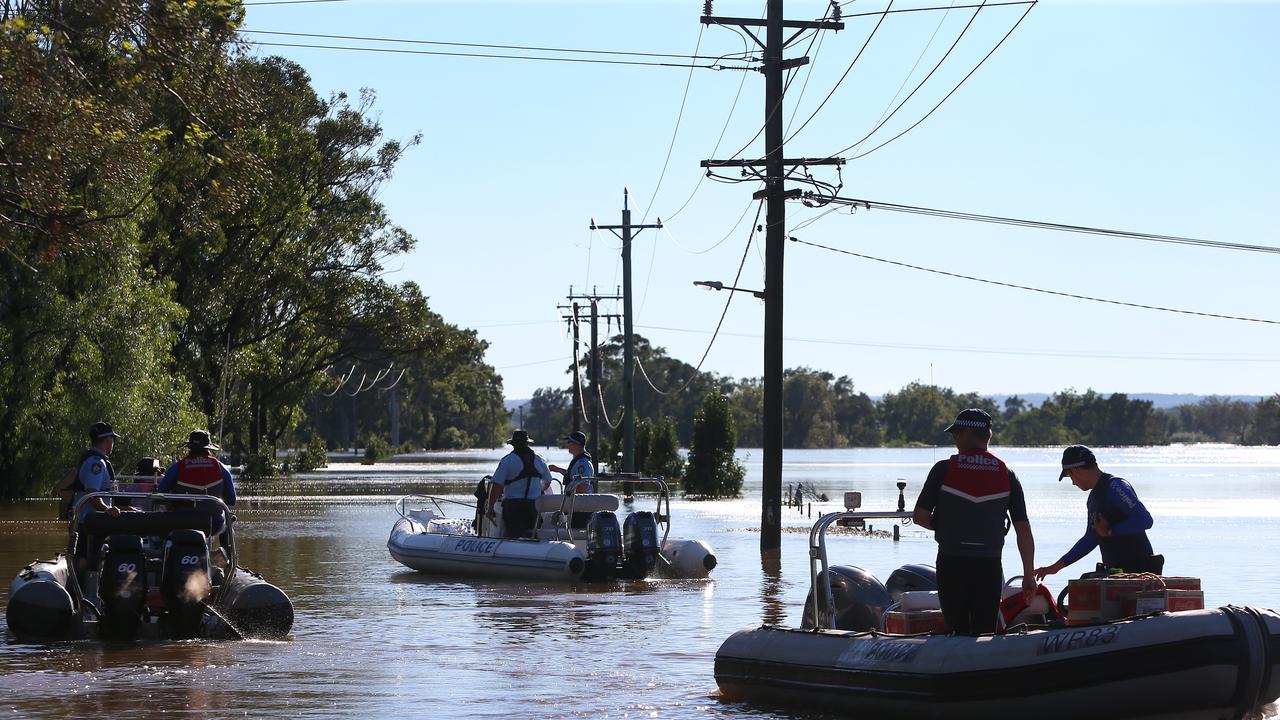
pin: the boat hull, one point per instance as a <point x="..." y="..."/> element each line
<point x="1202" y="664"/>
<point x="469" y="555"/>
<point x="41" y="608"/>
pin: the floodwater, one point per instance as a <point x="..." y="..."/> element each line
<point x="374" y="638"/>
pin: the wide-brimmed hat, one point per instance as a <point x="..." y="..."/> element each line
<point x="199" y="440"/>
<point x="973" y="418"/>
<point x="1076" y="456"/>
<point x="520" y="437"/>
<point x="577" y="436"/>
<point x="100" y="430"/>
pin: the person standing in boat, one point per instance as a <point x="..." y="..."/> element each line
<point x="94" y="471"/>
<point x="518" y="481"/>
<point x="577" y="477"/>
<point x="1118" y="521"/>
<point x="200" y="473"/>
<point x="965" y="501"/>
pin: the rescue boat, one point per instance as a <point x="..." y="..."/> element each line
<point x="425" y="539"/>
<point x="1211" y="663"/>
<point x="147" y="574"/>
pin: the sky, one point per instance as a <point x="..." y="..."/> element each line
<point x="1156" y="117"/>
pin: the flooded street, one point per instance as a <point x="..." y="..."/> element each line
<point x="372" y="637"/>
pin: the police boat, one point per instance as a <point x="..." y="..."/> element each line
<point x="147" y="575"/>
<point x="1218" y="663"/>
<point x="425" y="539"/>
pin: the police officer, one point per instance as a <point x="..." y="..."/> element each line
<point x="1118" y="521"/>
<point x="519" y="480"/>
<point x="965" y="501"/>
<point x="577" y="477"/>
<point x="96" y="473"/>
<point x="200" y="473"/>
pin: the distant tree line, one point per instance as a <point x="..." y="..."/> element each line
<point x="825" y="411"/>
<point x="190" y="236"/>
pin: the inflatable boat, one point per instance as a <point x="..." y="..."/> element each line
<point x="147" y="575"/>
<point x="1217" y="663"/>
<point x="425" y="539"/>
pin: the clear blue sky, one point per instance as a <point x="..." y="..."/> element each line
<point x="1155" y="117"/>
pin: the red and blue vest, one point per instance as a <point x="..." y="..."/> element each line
<point x="972" y="505"/>
<point x="201" y="474"/>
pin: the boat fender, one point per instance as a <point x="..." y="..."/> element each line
<point x="1255" y="657"/>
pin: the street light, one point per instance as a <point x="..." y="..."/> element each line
<point x="717" y="285"/>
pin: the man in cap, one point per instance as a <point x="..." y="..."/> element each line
<point x="200" y="472"/>
<point x="1117" y="523"/>
<point x="518" y="481"/>
<point x="95" y="473"/>
<point x="965" y="501"/>
<point x="577" y="477"/>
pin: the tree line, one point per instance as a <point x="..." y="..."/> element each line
<point x="825" y="411"/>
<point x="190" y="236"/>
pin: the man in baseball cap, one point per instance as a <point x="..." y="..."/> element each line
<point x="577" y="477"/>
<point x="1117" y="523"/>
<point x="965" y="501"/>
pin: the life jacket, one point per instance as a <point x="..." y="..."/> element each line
<point x="1118" y="551"/>
<point x="575" y="469"/>
<point x="972" y="506"/>
<point x="200" y="474"/>
<point x="70" y="486"/>
<point x="528" y="472"/>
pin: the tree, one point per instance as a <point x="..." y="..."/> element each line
<point x="917" y="414"/>
<point x="663" y="455"/>
<point x="713" y="472"/>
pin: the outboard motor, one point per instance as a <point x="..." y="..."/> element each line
<point x="604" y="546"/>
<point x="123" y="587"/>
<point x="860" y="599"/>
<point x="640" y="544"/>
<point x="909" y="578"/>
<point x="184" y="581"/>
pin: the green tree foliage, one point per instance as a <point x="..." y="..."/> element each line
<point x="663" y="456"/>
<point x="548" y="415"/>
<point x="713" y="472"/>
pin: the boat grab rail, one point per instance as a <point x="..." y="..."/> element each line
<point x="824" y="602"/>
<point x="402" y="503"/>
<point x="229" y="519"/>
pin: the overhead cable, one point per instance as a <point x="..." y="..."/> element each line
<point x="496" y="56"/>
<point x="1039" y="224"/>
<point x="715" y="333"/>
<point x="1028" y="288"/>
<point x="494" y="46"/>
<point x="934" y="109"/>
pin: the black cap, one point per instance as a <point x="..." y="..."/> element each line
<point x="1076" y="456"/>
<point x="100" y="430"/>
<point x="200" y="440"/>
<point x="973" y="418"/>
<point x="577" y="436"/>
<point x="520" y="437"/>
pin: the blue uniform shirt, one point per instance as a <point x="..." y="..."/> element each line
<point x="95" y="476"/>
<point x="1119" y="496"/>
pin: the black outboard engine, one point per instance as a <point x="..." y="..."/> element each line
<point x="184" y="581"/>
<point x="909" y="578"/>
<point x="123" y="586"/>
<point x="604" y="546"/>
<point x="640" y="544"/>
<point x="860" y="599"/>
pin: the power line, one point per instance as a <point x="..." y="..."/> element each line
<point x="1038" y="224"/>
<point x="496" y="56"/>
<point x="1028" y="288"/>
<point x="914" y="125"/>
<point x="1032" y="352"/>
<point x="723" y="313"/>
<point x="494" y="46"/>
<point x="886" y="118"/>
<point x="290" y="2"/>
<point x="941" y="7"/>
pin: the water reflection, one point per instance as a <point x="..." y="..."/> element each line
<point x="774" y="612"/>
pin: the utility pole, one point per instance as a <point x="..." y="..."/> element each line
<point x="593" y="364"/>
<point x="628" y="344"/>
<point x="775" y="196"/>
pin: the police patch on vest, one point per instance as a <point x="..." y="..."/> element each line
<point x="95" y="468"/>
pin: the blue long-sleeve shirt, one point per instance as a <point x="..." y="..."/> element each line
<point x="1111" y="499"/>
